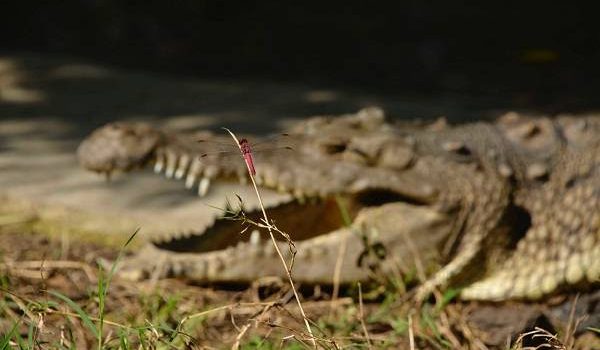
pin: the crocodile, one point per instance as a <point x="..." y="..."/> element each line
<point x="510" y="208"/>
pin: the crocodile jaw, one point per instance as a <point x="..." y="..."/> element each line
<point x="415" y="229"/>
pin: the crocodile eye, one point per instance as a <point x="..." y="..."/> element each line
<point x="456" y="147"/>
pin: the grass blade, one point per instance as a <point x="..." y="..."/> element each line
<point x="87" y="321"/>
<point x="104" y="284"/>
<point x="5" y="342"/>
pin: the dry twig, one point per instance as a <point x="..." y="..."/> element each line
<point x="32" y="268"/>
<point x="361" y="315"/>
<point x="270" y="230"/>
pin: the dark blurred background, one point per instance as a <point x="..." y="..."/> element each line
<point x="524" y="55"/>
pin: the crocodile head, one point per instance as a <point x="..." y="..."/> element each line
<point x="371" y="173"/>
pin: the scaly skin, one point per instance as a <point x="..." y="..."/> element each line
<point x="512" y="205"/>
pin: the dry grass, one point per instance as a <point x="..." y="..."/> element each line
<point x="58" y="306"/>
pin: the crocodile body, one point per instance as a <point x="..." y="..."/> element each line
<point x="512" y="207"/>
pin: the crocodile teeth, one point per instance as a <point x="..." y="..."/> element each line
<point x="184" y="162"/>
<point x="255" y="237"/>
<point x="171" y="164"/>
<point x="160" y="162"/>
<point x="201" y="268"/>
<point x="282" y="188"/>
<point x="214" y="267"/>
<point x="190" y="179"/>
<point x="299" y="195"/>
<point x="203" y="186"/>
<point x="195" y="170"/>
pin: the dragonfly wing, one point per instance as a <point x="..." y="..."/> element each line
<point x="222" y="153"/>
<point x="271" y="141"/>
<point x="282" y="143"/>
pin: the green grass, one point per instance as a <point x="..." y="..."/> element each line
<point x="158" y="322"/>
<point x="111" y="313"/>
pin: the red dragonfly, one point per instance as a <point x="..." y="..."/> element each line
<point x="247" y="154"/>
<point x="274" y="143"/>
